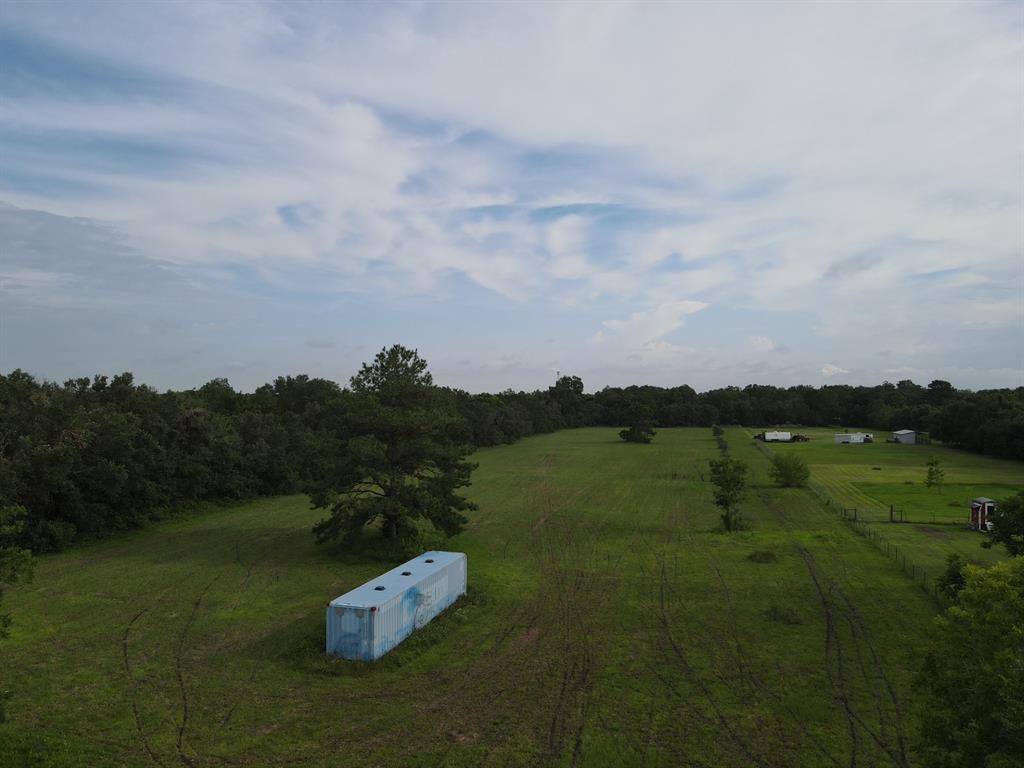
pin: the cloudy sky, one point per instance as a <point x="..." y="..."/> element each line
<point x="702" y="193"/>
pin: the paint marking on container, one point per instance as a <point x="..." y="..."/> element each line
<point x="373" y="618"/>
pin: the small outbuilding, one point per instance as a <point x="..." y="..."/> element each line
<point x="854" y="437"/>
<point x="777" y="437"/>
<point x="905" y="436"/>
<point x="982" y="510"/>
<point x="370" y="620"/>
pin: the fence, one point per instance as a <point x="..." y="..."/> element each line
<point x="851" y="516"/>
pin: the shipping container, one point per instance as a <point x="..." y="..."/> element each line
<point x="372" y="619"/>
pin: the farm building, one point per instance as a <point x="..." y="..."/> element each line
<point x="370" y="620"/>
<point x="981" y="513"/>
<point x="905" y="436"/>
<point x="854" y="437"/>
<point x="777" y="437"/>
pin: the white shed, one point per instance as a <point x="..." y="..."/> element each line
<point x="777" y="437"/>
<point x="905" y="436"/>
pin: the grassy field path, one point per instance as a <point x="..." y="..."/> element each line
<point x="609" y="623"/>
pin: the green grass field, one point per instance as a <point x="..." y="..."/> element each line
<point x="609" y="623"/>
<point x="933" y="521"/>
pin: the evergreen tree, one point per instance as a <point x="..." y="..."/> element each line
<point x="406" y="458"/>
<point x="936" y="475"/>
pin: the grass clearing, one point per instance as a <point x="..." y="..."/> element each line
<point x="873" y="476"/>
<point x="608" y="623"/>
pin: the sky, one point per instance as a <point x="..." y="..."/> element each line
<point x="708" y="194"/>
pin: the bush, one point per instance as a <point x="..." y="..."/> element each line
<point x="789" y="470"/>
<point x="952" y="579"/>
<point x="640" y="432"/>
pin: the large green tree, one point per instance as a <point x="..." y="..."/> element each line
<point x="1008" y="525"/>
<point x="972" y="681"/>
<point x="405" y="456"/>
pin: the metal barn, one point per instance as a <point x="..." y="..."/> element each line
<point x="372" y="619"/>
<point x="981" y="513"/>
<point x="905" y="436"/>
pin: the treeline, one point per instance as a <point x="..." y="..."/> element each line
<point x="988" y="421"/>
<point x="90" y="456"/>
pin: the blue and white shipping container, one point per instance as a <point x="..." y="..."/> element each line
<point x="372" y="619"/>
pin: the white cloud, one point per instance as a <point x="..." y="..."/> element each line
<point x="828" y="370"/>
<point x="566" y="244"/>
<point x="761" y="343"/>
<point x="650" y="325"/>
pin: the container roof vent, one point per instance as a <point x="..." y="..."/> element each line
<point x="392" y="585"/>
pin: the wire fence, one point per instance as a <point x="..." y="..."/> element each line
<point x="852" y="517"/>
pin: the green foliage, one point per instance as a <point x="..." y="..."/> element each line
<point x="952" y="580"/>
<point x="642" y="431"/>
<point x="717" y="431"/>
<point x="1008" y="525"/>
<point x="936" y="474"/>
<point x="405" y="459"/>
<point x="729" y="477"/>
<point x="789" y="470"/>
<point x="972" y="681"/>
<point x="15" y="566"/>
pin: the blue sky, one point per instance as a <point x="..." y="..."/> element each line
<point x="709" y="194"/>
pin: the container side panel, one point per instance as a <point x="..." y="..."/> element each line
<point x="349" y="632"/>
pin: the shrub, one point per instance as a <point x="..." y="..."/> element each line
<point x="642" y="431"/>
<point x="789" y="470"/>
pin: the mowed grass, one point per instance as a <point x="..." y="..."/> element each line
<point x="609" y="623"/>
<point x="932" y="522"/>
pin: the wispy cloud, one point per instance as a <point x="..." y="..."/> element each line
<point x="529" y="157"/>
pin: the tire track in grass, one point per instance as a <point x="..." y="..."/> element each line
<point x="739" y="744"/>
<point x="839" y="677"/>
<point x="834" y="658"/>
<point x="133" y="686"/>
<point x="758" y="684"/>
<point x="186" y="759"/>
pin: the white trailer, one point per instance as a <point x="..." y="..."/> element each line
<point x="854" y="437"/>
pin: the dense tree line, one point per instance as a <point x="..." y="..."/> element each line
<point x="91" y="456"/>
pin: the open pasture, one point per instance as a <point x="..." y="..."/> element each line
<point x="931" y="522"/>
<point x="609" y="623"/>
